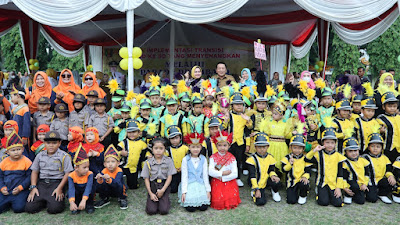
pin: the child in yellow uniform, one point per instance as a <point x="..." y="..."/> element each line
<point x="209" y="148"/>
<point x="177" y="151"/>
<point x="330" y="168"/>
<point x="262" y="171"/>
<point x="297" y="170"/>
<point x="342" y="122"/>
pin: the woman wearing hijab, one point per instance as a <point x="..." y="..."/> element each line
<point x="245" y="78"/>
<point x="386" y="83"/>
<point x="91" y="84"/>
<point x="294" y="88"/>
<point x="41" y="87"/>
<point x="66" y="89"/>
<point x="195" y="81"/>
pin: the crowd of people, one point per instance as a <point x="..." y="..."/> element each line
<point x="201" y="138"/>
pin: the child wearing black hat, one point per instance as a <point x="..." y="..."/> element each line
<point x="92" y="96"/>
<point x="380" y="171"/>
<point x="79" y="117"/>
<point x="43" y="115"/>
<point x="15" y="173"/>
<point x="330" y="168"/>
<point x="80" y="184"/>
<point x="297" y="171"/>
<point x="262" y="171"/>
<point x="50" y="171"/>
<point x="342" y="121"/>
<point x="61" y="124"/>
<point x="131" y="149"/>
<point x="110" y="182"/>
<point x="102" y="121"/>
<point x="355" y="172"/>
<point x="209" y="148"/>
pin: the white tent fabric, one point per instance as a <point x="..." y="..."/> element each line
<point x="349" y="11"/>
<point x="57" y="47"/>
<point x="96" y="55"/>
<point x="361" y="37"/>
<point x="277" y="60"/>
<point x="301" y="51"/>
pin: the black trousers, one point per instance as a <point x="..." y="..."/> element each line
<point x="176" y="180"/>
<point x="201" y="208"/>
<point x="293" y="193"/>
<point x="107" y="142"/>
<point x="238" y="152"/>
<point x="326" y="196"/>
<point x="89" y="202"/>
<point x="45" y="200"/>
<point x="263" y="199"/>
<point x="163" y="205"/>
<point x="359" y="196"/>
<point x="383" y="188"/>
<point x="131" y="178"/>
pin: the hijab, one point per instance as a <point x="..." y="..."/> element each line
<point x="38" y="92"/>
<point x="192" y="72"/>
<point x="65" y="88"/>
<point x="381" y="87"/>
<point x="249" y="82"/>
<point x="309" y="83"/>
<point x="94" y="87"/>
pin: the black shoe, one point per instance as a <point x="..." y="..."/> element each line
<point x="123" y="203"/>
<point x="101" y="203"/>
<point x="90" y="210"/>
<point x="75" y="212"/>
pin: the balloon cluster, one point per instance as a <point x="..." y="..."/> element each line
<point x="319" y="66"/>
<point x="285" y="70"/>
<point x="136" y="53"/>
<point x="33" y="64"/>
<point x="89" y="68"/>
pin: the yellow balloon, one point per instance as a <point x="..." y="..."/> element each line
<point x="320" y="63"/>
<point x="31" y="67"/>
<point x="124" y="64"/>
<point x="137" y="63"/>
<point x="31" y="61"/>
<point x="136" y="52"/>
<point x="123" y="52"/>
<point x="35" y="68"/>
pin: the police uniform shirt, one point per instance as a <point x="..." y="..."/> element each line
<point x="52" y="166"/>
<point x="158" y="170"/>
<point x="102" y="123"/>
<point x="89" y="110"/>
<point x="79" y="119"/>
<point x="39" y="118"/>
<point x="62" y="127"/>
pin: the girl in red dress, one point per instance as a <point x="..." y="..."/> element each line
<point x="223" y="170"/>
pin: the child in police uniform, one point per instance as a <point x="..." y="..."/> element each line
<point x="297" y="171"/>
<point x="15" y="176"/>
<point x="177" y="151"/>
<point x="50" y="171"/>
<point x="262" y="171"/>
<point x="131" y="149"/>
<point x="43" y="115"/>
<point x="330" y="168"/>
<point x="110" y="182"/>
<point x="157" y="174"/>
<point x="355" y="173"/>
<point x="382" y="180"/>
<point x="79" y="117"/>
<point x="60" y="124"/>
<point x="80" y="184"/>
<point x="102" y="121"/>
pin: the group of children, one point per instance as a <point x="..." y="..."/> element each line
<point x="198" y="145"/>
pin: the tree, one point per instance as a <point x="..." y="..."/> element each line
<point x="384" y="51"/>
<point x="11" y="51"/>
<point x="299" y="65"/>
<point x="13" y="58"/>
<point x="343" y="56"/>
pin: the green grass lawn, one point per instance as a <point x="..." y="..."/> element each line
<point x="246" y="213"/>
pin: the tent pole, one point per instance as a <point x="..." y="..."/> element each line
<point x="171" y="50"/>
<point x="129" y="33"/>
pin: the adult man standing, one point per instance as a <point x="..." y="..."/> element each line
<point x="360" y="73"/>
<point x="221" y="75"/>
<point x="117" y="75"/>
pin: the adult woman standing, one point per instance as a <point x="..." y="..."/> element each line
<point x="386" y="83"/>
<point x="66" y="89"/>
<point x="91" y="84"/>
<point x="195" y="81"/>
<point x="245" y="78"/>
<point x="41" y="87"/>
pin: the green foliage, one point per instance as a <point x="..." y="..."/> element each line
<point x="11" y="51"/>
<point x="384" y="50"/>
<point x="13" y="57"/>
<point x="343" y="56"/>
<point x="299" y="65"/>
